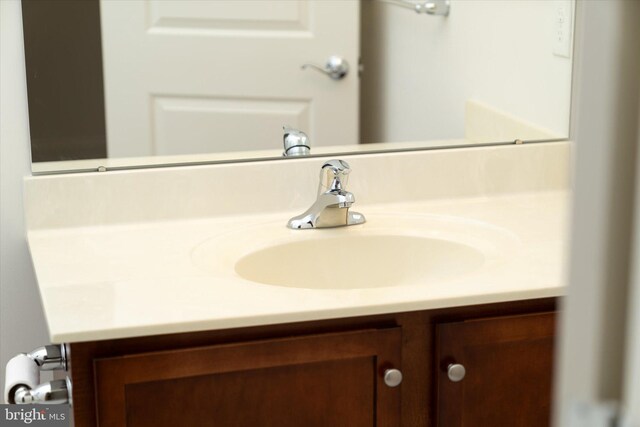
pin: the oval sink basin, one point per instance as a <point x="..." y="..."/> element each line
<point x="357" y="262"/>
<point x="386" y="251"/>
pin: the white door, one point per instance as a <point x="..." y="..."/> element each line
<point x="205" y="76"/>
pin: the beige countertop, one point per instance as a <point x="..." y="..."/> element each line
<point x="117" y="254"/>
<point x="129" y="280"/>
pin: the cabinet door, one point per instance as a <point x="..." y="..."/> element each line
<point x="318" y="380"/>
<point x="508" y="379"/>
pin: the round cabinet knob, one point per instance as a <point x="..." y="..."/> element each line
<point x="392" y="377"/>
<point x="456" y="372"/>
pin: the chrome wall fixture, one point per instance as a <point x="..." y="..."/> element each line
<point x="22" y="379"/>
<point x="430" y="7"/>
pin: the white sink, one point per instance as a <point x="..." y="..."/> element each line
<point x="360" y="261"/>
<point x="387" y="251"/>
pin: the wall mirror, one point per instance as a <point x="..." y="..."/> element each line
<point x="147" y="82"/>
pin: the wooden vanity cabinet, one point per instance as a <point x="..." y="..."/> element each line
<point x="317" y="380"/>
<point x="326" y="373"/>
<point x="507" y="365"/>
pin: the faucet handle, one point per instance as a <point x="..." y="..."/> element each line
<point x="334" y="175"/>
<point x="337" y="166"/>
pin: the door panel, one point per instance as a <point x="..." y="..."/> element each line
<point x="239" y="52"/>
<point x="246" y="15"/>
<point x="509" y="366"/>
<point x="320" y="380"/>
<point x="245" y="121"/>
<point x="332" y="393"/>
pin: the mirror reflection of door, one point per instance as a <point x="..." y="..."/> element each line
<point x="194" y="77"/>
<point x="157" y="82"/>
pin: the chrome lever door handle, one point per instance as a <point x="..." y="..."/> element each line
<point x="336" y="67"/>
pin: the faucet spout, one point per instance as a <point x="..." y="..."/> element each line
<point x="331" y="208"/>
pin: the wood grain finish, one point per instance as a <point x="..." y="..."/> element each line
<point x="317" y="380"/>
<point x="508" y="363"/>
<point x="418" y="389"/>
<point x="332" y="393"/>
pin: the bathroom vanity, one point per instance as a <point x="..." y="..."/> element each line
<point x="329" y="373"/>
<point x="185" y="303"/>
<point x="412" y="287"/>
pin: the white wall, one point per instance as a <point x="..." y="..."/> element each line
<point x="419" y="70"/>
<point x="22" y="324"/>
<point x="606" y="107"/>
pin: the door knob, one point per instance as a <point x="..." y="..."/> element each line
<point x="392" y="377"/>
<point x="336" y="67"/>
<point x="456" y="372"/>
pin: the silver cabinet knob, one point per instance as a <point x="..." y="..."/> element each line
<point x="336" y="67"/>
<point x="456" y="372"/>
<point x="392" y="377"/>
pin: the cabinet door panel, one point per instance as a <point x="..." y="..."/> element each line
<point x="321" y="380"/>
<point x="336" y="393"/>
<point x="508" y="380"/>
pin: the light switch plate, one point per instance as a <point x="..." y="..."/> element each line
<point x="563" y="27"/>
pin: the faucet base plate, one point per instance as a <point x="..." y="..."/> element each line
<point x="307" y="221"/>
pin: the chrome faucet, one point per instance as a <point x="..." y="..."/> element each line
<point x="296" y="142"/>
<point x="331" y="208"/>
